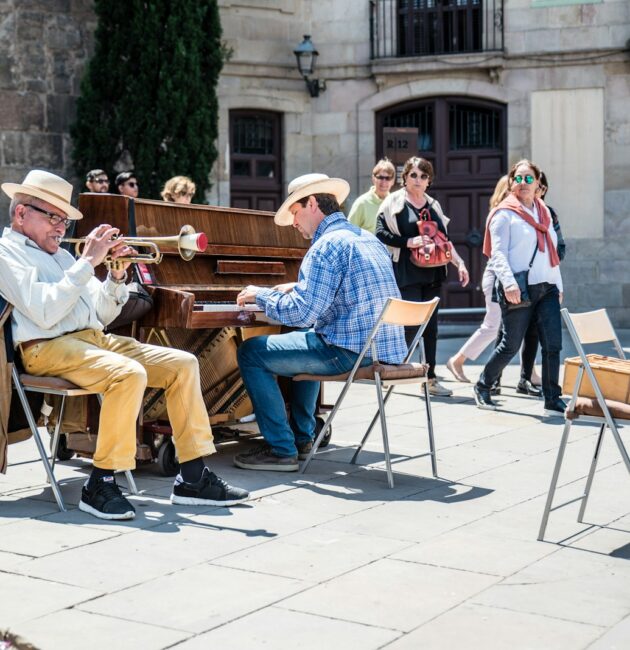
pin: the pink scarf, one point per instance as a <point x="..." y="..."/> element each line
<point x="543" y="235"/>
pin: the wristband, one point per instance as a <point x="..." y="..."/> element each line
<point x="115" y="281"/>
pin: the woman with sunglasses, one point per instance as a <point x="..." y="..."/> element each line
<point x="520" y="238"/>
<point x="397" y="227"/>
<point x="366" y="207"/>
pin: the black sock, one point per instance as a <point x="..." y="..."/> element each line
<point x="191" y="470"/>
<point x="98" y="473"/>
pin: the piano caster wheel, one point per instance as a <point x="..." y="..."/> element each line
<point x="319" y="425"/>
<point x="63" y="453"/>
<point x="167" y="461"/>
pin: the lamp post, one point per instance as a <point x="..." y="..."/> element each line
<point x="306" y="56"/>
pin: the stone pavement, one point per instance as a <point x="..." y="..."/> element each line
<point x="333" y="558"/>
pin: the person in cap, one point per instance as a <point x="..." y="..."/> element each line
<point x="59" y="311"/>
<point x="97" y="180"/>
<point x="344" y="282"/>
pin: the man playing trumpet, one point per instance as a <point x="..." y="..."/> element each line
<point x="60" y="310"/>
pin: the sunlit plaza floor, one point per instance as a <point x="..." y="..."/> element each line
<point x="333" y="558"/>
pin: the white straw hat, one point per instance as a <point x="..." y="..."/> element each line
<point x="308" y="184"/>
<point x="47" y="187"/>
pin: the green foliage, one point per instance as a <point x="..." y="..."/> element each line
<point x="150" y="92"/>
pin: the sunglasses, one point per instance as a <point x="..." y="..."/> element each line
<point x="54" y="219"/>
<point x="380" y="177"/>
<point x="527" y="178"/>
<point x="101" y="181"/>
<point x="131" y="183"/>
<point x="423" y="176"/>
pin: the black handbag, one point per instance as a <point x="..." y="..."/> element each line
<point x="522" y="280"/>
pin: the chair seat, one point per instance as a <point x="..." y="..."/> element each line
<point x="51" y="384"/>
<point x="590" y="406"/>
<point x="388" y="372"/>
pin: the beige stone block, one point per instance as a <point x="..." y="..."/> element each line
<point x="325" y="124"/>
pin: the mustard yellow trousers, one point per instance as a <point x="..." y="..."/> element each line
<point x="120" y="368"/>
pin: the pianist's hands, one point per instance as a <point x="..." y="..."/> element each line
<point x="248" y="294"/>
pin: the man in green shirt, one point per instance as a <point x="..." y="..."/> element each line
<point x="365" y="209"/>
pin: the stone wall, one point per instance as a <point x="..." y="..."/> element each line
<point x="44" y="46"/>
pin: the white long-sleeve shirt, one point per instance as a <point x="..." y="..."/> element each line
<point x="513" y="242"/>
<point x="53" y="294"/>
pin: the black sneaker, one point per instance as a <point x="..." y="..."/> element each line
<point x="496" y="389"/>
<point x="483" y="399"/>
<point x="555" y="407"/>
<point x="209" y="490"/>
<point x="525" y="387"/>
<point x="304" y="450"/>
<point x="263" y="458"/>
<point x="105" y="500"/>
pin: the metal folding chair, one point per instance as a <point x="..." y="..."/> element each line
<point x="385" y="376"/>
<point x="588" y="328"/>
<point x="24" y="384"/>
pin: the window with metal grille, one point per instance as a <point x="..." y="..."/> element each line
<point x="253" y="135"/>
<point x="471" y="127"/>
<point x="420" y="118"/>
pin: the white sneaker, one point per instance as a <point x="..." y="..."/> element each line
<point x="438" y="390"/>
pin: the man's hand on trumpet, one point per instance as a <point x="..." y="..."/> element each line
<point x="102" y="243"/>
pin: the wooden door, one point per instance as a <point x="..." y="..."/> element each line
<point x="465" y="140"/>
<point x="255" y="160"/>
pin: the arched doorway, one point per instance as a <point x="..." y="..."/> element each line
<point x="465" y="140"/>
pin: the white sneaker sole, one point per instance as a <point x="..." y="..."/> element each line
<point x="484" y="407"/>
<point x="551" y="414"/>
<point x="130" y="514"/>
<point x="195" y="501"/>
<point x="268" y="468"/>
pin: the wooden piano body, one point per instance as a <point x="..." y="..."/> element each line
<point x="194" y="302"/>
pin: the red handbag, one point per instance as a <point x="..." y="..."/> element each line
<point x="437" y="254"/>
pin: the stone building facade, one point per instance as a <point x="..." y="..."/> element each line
<point x="551" y="77"/>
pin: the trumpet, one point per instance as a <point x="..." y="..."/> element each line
<point x="188" y="243"/>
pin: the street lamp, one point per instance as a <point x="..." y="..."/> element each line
<point x="306" y="55"/>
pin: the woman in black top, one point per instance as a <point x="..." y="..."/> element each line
<point x="396" y="226"/>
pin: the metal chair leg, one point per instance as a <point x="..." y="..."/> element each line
<point x="353" y="460"/>
<point x="591" y="473"/>
<point x="38" y="441"/>
<point x="427" y="401"/>
<point x="381" y="409"/>
<point x="554" y="480"/>
<point x="131" y="484"/>
<point x="57" y="433"/>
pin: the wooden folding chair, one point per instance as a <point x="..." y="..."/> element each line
<point x="588" y="328"/>
<point x="385" y="376"/>
<point x="25" y="383"/>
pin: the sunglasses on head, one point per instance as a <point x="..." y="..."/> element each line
<point x="382" y="177"/>
<point x="528" y="178"/>
<point x="423" y="176"/>
<point x="54" y="219"/>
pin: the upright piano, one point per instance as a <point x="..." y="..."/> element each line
<point x="195" y="302"/>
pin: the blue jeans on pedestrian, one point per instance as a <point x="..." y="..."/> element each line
<point x="263" y="357"/>
<point x="545" y="312"/>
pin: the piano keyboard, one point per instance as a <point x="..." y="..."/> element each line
<point x="207" y="305"/>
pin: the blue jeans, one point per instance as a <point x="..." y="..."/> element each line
<point x="545" y="312"/>
<point x="263" y="357"/>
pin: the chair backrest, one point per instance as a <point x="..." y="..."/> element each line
<point x="406" y="312"/>
<point x="591" y="327"/>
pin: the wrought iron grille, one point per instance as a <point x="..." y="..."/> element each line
<point x="404" y="28"/>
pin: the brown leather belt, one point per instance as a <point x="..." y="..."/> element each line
<point x="25" y="345"/>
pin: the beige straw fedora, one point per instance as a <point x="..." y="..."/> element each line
<point x="47" y="187"/>
<point x="308" y="184"/>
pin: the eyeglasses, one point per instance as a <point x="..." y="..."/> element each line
<point x="380" y="177"/>
<point x="54" y="219"/>
<point x="101" y="181"/>
<point x="528" y="178"/>
<point x="131" y="183"/>
<point x="423" y="176"/>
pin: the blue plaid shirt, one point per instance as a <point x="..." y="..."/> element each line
<point x="344" y="281"/>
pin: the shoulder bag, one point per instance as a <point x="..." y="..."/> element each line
<point x="439" y="253"/>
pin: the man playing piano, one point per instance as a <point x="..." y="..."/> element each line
<point x="60" y="310"/>
<point x="344" y="281"/>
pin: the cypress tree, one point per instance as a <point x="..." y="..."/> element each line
<point x="149" y="92"/>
